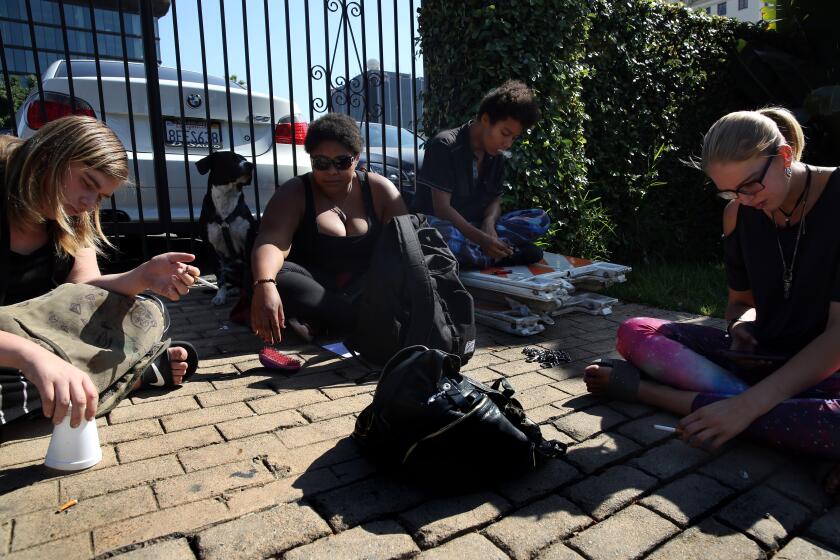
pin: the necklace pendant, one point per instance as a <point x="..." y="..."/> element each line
<point x="787" y="280"/>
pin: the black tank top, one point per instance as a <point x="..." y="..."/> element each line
<point x="35" y="274"/>
<point x="24" y="277"/>
<point x="331" y="255"/>
<point x="753" y="263"/>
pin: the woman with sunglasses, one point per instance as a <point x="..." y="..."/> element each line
<point x="317" y="236"/>
<point x="771" y="374"/>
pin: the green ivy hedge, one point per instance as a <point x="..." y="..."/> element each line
<point x="627" y="88"/>
<point x="472" y="46"/>
<point x="659" y="76"/>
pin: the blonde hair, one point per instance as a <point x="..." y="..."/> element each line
<point x="742" y="135"/>
<point x="36" y="169"/>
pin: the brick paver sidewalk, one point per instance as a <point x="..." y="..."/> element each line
<point x="244" y="463"/>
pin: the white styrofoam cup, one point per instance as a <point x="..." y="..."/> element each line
<point x="73" y="449"/>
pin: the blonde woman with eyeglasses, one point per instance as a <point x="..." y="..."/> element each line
<point x="771" y="374"/>
<point x="70" y="335"/>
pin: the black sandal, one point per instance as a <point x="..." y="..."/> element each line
<point x="624" y="379"/>
<point x="159" y="372"/>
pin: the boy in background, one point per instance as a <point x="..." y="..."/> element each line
<point x="459" y="186"/>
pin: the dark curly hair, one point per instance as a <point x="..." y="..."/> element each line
<point x="337" y="127"/>
<point x="514" y="100"/>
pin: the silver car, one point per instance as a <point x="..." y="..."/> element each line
<point x="269" y="137"/>
<point x="386" y="158"/>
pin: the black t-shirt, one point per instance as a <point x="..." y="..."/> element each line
<point x="753" y="262"/>
<point x="449" y="165"/>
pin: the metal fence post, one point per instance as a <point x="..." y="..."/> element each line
<point x="147" y="27"/>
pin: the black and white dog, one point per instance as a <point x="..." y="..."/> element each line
<point x="226" y="221"/>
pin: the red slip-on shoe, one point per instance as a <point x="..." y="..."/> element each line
<point x="272" y="359"/>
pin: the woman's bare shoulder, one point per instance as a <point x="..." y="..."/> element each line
<point x="292" y="187"/>
<point x="288" y="199"/>
<point x="381" y="185"/>
<point x="730" y="217"/>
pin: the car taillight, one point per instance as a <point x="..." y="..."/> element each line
<point x="284" y="132"/>
<point x="54" y="106"/>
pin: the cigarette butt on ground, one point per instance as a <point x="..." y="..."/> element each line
<point x="67" y="505"/>
<point x="670" y="429"/>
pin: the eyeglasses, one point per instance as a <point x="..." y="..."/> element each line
<point x="751" y="187"/>
<point x="322" y="163"/>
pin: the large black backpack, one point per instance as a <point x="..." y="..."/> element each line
<point x="412" y="295"/>
<point x="431" y="420"/>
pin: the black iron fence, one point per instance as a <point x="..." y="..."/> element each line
<point x="162" y="74"/>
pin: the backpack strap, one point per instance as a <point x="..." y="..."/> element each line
<point x="418" y="282"/>
<point x="5" y="234"/>
<point x="367" y="196"/>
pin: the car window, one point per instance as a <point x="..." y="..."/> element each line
<point x="390" y="136"/>
<point x="375" y="134"/>
<point x="113" y="69"/>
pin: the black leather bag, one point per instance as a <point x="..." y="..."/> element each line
<point x="426" y="416"/>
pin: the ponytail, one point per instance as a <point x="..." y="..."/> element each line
<point x="742" y="135"/>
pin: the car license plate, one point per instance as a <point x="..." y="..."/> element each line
<point x="196" y="133"/>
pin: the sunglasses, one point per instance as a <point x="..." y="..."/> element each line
<point x="322" y="163"/>
<point x="751" y="187"/>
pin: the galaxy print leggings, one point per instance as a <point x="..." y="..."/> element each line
<point x="683" y="356"/>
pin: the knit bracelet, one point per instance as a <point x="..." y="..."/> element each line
<point x="264" y="281"/>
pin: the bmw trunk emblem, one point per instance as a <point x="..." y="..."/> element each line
<point x="194" y="100"/>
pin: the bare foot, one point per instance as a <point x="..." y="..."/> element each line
<point x="178" y="364"/>
<point x="599" y="381"/>
<point x="597" y="377"/>
<point x="303" y="330"/>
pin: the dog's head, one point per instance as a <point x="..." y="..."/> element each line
<point x="226" y="168"/>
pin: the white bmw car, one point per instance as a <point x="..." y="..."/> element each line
<point x="270" y="137"/>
